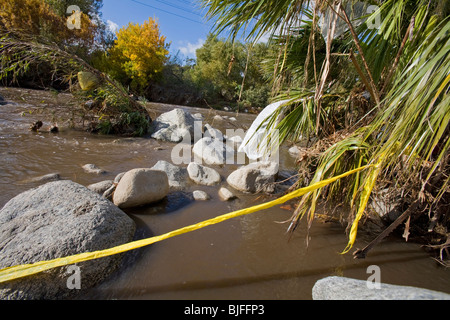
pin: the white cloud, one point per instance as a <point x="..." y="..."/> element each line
<point x="112" y="26"/>
<point x="189" y="49"/>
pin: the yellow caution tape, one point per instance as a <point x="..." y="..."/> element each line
<point x="21" y="271"/>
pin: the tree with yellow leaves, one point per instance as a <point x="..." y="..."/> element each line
<point x="138" y="54"/>
<point x="38" y="18"/>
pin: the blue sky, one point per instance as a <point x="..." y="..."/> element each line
<point x="182" y="22"/>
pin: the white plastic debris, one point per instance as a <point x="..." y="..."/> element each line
<point x="256" y="142"/>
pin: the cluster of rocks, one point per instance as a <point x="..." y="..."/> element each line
<point x="61" y="218"/>
<point x="211" y="148"/>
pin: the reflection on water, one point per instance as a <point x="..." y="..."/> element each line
<point x="250" y="257"/>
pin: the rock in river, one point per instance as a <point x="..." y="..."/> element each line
<point x="139" y="187"/>
<point x="200" y="195"/>
<point x="341" y="288"/>
<point x="255" y="177"/>
<point x="173" y="126"/>
<point x="226" y="195"/>
<point x="203" y="175"/>
<point x="213" y="151"/>
<point x="101" y="187"/>
<point x="177" y="175"/>
<point x="59" y="219"/>
<point x="92" y="168"/>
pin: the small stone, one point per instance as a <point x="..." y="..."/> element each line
<point x="203" y="175"/>
<point x="92" y="168"/>
<point x="101" y="187"/>
<point x="226" y="194"/>
<point x="200" y="195"/>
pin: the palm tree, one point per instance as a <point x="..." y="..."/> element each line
<point x="402" y="131"/>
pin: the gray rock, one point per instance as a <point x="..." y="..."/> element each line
<point x="2" y="101"/>
<point x="139" y="187"/>
<point x="177" y="175"/>
<point x="101" y="187"/>
<point x="209" y="131"/>
<point x="340" y="288"/>
<point x="173" y="126"/>
<point x="226" y="194"/>
<point x="200" y="195"/>
<point x="92" y="168"/>
<point x="213" y="151"/>
<point x="59" y="219"/>
<point x="47" y="178"/>
<point x="255" y="177"/>
<point x="203" y="175"/>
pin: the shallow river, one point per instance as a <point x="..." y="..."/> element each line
<point x="250" y="257"/>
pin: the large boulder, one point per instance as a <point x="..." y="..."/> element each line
<point x="59" y="219"/>
<point x="213" y="151"/>
<point x="203" y="175"/>
<point x="139" y="187"/>
<point x="173" y="126"/>
<point x="255" y="177"/>
<point x="177" y="175"/>
<point x="341" y="288"/>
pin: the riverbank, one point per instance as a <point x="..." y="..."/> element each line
<point x="245" y="258"/>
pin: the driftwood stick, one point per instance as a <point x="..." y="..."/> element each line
<point x="361" y="253"/>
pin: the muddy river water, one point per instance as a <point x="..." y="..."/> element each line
<point x="250" y="257"/>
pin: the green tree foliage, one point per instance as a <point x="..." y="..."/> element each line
<point x="231" y="72"/>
